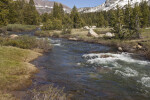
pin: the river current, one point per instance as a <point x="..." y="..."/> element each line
<point x="95" y="72"/>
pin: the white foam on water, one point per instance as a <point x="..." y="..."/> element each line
<point x="55" y="42"/>
<point x="128" y="72"/>
<point x="145" y="81"/>
<point x="126" y="57"/>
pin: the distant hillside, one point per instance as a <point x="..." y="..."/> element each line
<point x="45" y="6"/>
<point x="110" y="4"/>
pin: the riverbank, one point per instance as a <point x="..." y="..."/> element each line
<point x="139" y="46"/>
<point x="15" y="69"/>
<point x="16" y="53"/>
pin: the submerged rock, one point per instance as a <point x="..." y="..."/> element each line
<point x="103" y="70"/>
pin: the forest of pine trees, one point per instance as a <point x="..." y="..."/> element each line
<point x="126" y="22"/>
<point x="19" y="12"/>
<point x="58" y="19"/>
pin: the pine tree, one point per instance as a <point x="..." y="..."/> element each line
<point x="61" y="10"/>
<point x="128" y="19"/>
<point x="13" y="15"/>
<point x="77" y="21"/>
<point x="48" y="25"/>
<point x="56" y="11"/>
<point x="67" y="22"/>
<point x="112" y="18"/>
<point x="31" y="16"/>
<point x="137" y="19"/>
<point x="4" y="11"/>
<point x="45" y="17"/>
<point x="145" y="13"/>
<point x="118" y="26"/>
<point x="31" y="3"/>
<point x="101" y="22"/>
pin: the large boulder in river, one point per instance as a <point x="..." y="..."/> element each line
<point x="92" y="33"/>
<point x="110" y="35"/>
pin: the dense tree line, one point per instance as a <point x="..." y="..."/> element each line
<point x="19" y="12"/>
<point x="126" y="22"/>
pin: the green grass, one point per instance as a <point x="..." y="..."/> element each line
<point x="145" y="33"/>
<point x="19" y="27"/>
<point x="14" y="66"/>
<point x="6" y="96"/>
<point x="15" y="71"/>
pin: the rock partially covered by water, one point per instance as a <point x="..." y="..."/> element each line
<point x="106" y="56"/>
<point x="92" y="33"/>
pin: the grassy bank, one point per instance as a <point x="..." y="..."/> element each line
<point x="126" y="45"/>
<point x="19" y="27"/>
<point x="15" y="55"/>
<point x="15" y="69"/>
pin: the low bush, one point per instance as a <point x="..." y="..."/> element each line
<point x="26" y="42"/>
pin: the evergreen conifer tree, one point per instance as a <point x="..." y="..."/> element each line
<point x="145" y="13"/>
<point x="4" y="11"/>
<point x="77" y="21"/>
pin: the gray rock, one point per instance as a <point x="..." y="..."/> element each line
<point x="86" y="27"/>
<point x="120" y="49"/>
<point x="92" y="33"/>
<point x="110" y="35"/>
<point x="93" y="27"/>
<point x="13" y="36"/>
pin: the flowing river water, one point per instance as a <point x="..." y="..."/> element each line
<point x="94" y="72"/>
<point x="91" y="72"/>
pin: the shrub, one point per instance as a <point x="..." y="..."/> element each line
<point x="52" y="25"/>
<point x="27" y="42"/>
